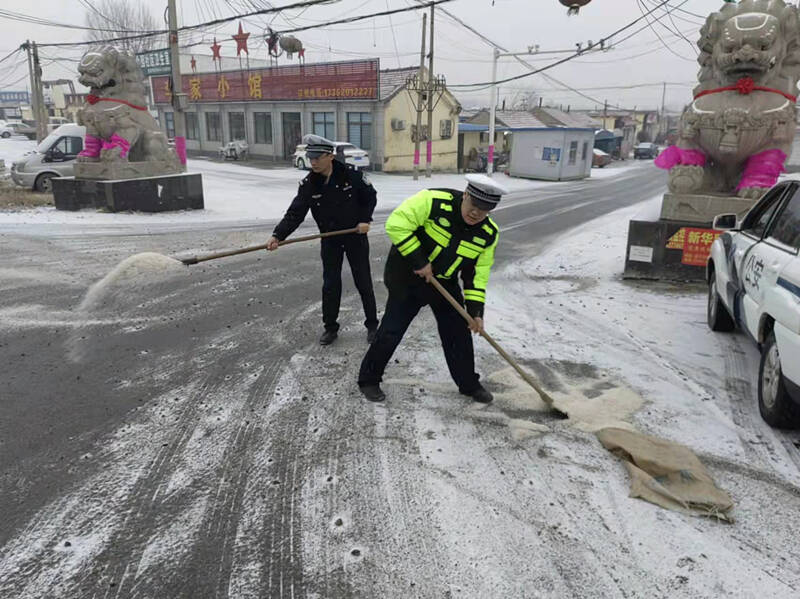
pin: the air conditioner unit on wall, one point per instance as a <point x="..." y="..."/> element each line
<point x="398" y="125"/>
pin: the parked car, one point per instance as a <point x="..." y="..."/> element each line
<point x="17" y="128"/>
<point x="351" y="154"/>
<point x="53" y="157"/>
<point x="54" y="122"/>
<point x="600" y="158"/>
<point x="645" y="150"/>
<point x="753" y="278"/>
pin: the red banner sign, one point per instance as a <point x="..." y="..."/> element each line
<point x="695" y="243"/>
<point x="352" y="80"/>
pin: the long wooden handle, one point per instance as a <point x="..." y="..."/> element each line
<point x="263" y="246"/>
<point x="525" y="376"/>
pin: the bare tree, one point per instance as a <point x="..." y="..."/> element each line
<point x="119" y="18"/>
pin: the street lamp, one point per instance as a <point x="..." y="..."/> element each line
<point x="574" y="5"/>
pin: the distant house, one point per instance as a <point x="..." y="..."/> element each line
<point x="397" y="113"/>
<point x="544" y="143"/>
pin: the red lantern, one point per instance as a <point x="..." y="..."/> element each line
<point x="574" y="5"/>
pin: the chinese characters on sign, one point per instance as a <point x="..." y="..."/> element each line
<point x="315" y="93"/>
<point x="194" y="89"/>
<point x="353" y="80"/>
<point x="156" y="62"/>
<point x="695" y="243"/>
<point x="223" y="87"/>
<point x="254" y="81"/>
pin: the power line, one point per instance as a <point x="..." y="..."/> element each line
<point x="208" y="24"/>
<point x="601" y="43"/>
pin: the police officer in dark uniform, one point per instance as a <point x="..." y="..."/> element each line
<point x="440" y="233"/>
<point x="339" y="197"/>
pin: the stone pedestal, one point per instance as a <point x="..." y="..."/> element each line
<point x="701" y="209"/>
<point x="150" y="194"/>
<point x="118" y="171"/>
<point x="676" y="247"/>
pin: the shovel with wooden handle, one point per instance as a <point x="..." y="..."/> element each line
<point x="525" y="376"/>
<point x="263" y="246"/>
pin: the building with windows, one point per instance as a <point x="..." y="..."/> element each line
<point x="272" y="108"/>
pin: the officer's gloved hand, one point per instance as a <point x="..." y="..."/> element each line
<point x="426" y="272"/>
<point x="363" y="227"/>
<point x="272" y="243"/>
<point x="476" y="326"/>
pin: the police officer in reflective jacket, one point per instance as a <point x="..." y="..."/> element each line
<point x="339" y="197"/>
<point x="442" y="233"/>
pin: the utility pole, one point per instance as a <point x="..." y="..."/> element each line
<point x="39" y="109"/>
<point x="420" y="91"/>
<point x="34" y="104"/>
<point x="531" y="50"/>
<point x="178" y="97"/>
<point x="431" y="86"/>
<point x="493" y="101"/>
<point x="661" y="120"/>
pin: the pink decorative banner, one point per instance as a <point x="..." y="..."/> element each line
<point x="180" y="148"/>
<point x="416" y="157"/>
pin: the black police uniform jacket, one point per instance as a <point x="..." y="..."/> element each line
<point x="346" y="200"/>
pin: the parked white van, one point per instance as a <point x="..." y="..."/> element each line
<point x="53" y="157"/>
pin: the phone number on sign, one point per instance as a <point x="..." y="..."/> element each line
<point x="347" y="92"/>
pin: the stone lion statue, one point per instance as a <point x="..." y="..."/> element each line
<point x="119" y="128"/>
<point x="737" y="132"/>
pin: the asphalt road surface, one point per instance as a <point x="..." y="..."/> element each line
<point x="190" y="438"/>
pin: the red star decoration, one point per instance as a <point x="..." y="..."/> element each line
<point x="194" y="65"/>
<point x="215" y="49"/>
<point x="241" y="41"/>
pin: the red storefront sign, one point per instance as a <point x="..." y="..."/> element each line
<point x="695" y="243"/>
<point x="352" y="80"/>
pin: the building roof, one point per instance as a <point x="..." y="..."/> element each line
<point x="394" y="80"/>
<point x="512" y="119"/>
<point x="558" y="118"/>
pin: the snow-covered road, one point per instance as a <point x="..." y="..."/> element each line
<point x="196" y="440"/>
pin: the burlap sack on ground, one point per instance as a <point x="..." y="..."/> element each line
<point x="667" y="474"/>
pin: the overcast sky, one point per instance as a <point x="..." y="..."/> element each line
<point x="460" y="55"/>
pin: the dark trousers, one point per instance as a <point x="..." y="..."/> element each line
<point x="333" y="251"/>
<point x="401" y="308"/>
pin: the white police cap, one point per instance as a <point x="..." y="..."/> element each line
<point x="485" y="190"/>
<point x="316" y="145"/>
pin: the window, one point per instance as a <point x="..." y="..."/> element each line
<point x="169" y="123"/>
<point x="192" y="130"/>
<point x="573" y="152"/>
<point x="262" y="123"/>
<point x="757" y="220"/>
<point x="213" y="132"/>
<point x="484" y="137"/>
<point x="236" y="125"/>
<point x="359" y="129"/>
<point x="446" y="129"/>
<point x="585" y="152"/>
<point x="324" y="125"/>
<point x="787" y="225"/>
<point x="69" y="147"/>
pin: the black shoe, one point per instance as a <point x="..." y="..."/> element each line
<point x="328" y="337"/>
<point x="481" y="395"/>
<point x="371" y="335"/>
<point x="372" y="392"/>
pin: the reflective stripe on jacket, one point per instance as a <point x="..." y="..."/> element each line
<point x="428" y="227"/>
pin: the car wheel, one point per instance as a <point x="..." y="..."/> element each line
<point x="719" y="319"/>
<point x="44" y="183"/>
<point x="6" y="135"/>
<point x="776" y="407"/>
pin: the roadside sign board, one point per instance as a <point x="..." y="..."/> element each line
<point x="155" y="62"/>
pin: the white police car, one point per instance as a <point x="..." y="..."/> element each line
<point x="753" y="276"/>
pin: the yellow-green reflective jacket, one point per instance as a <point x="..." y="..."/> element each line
<point x="428" y="227"/>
